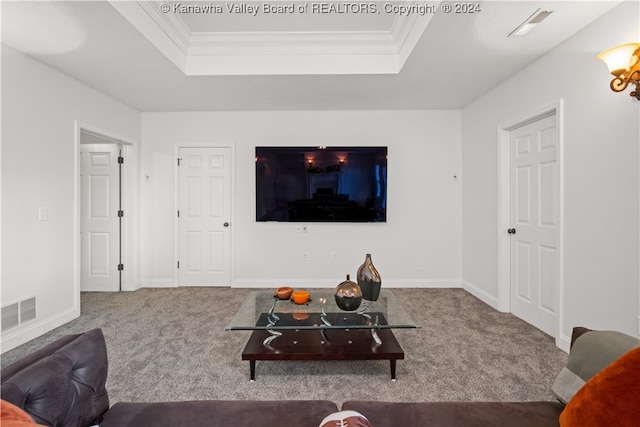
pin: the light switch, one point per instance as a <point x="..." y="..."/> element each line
<point x="43" y="214"/>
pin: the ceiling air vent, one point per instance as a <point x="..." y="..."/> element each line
<point x="537" y="17"/>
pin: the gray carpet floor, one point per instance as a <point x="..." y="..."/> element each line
<point x="170" y="344"/>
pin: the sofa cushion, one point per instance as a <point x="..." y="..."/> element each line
<point x="467" y="414"/>
<point x="610" y="398"/>
<point x="63" y="383"/>
<point x="591" y="352"/>
<point x="219" y="413"/>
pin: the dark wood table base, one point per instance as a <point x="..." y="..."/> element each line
<point x="324" y="344"/>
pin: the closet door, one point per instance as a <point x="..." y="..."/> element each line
<point x="204" y="213"/>
<point x="534" y="222"/>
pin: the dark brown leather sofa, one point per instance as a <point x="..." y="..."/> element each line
<point x="63" y="384"/>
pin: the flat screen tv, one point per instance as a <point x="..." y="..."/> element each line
<point x="321" y="184"/>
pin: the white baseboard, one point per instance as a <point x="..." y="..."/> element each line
<point x="434" y="284"/>
<point x="481" y="294"/>
<point x="16" y="337"/>
<point x="390" y="284"/>
<point x="563" y="342"/>
<point x="156" y="283"/>
<point x="308" y="283"/>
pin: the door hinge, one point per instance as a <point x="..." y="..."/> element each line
<point x="120" y="214"/>
<point x="178" y="264"/>
<point x="120" y="159"/>
<point x="178" y="213"/>
<point x="179" y="161"/>
<point x="120" y="267"/>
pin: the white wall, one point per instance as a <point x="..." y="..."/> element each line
<point x="448" y="225"/>
<point x="40" y="107"/>
<point x="601" y="179"/>
<point x="423" y="206"/>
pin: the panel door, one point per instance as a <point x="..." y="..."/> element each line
<point x="534" y="222"/>
<point x="204" y="214"/>
<point x="99" y="228"/>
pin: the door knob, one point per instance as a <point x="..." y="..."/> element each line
<point x="511" y="231"/>
<point x="226" y="224"/>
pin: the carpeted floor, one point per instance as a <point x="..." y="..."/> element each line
<point x="170" y="344"/>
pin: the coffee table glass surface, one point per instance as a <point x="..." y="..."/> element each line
<point x="262" y="310"/>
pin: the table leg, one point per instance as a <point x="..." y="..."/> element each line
<point x="393" y="369"/>
<point x="252" y="370"/>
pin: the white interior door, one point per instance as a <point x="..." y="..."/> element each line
<point x="99" y="224"/>
<point x="204" y="254"/>
<point x="534" y="222"/>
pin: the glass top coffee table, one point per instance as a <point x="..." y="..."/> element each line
<point x="319" y="330"/>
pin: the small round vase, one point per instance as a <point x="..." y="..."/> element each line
<point x="369" y="280"/>
<point x="348" y="295"/>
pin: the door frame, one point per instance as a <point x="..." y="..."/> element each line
<point x="129" y="196"/>
<point x="176" y="206"/>
<point x="504" y="205"/>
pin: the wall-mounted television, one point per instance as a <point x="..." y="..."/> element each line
<point x="321" y="184"/>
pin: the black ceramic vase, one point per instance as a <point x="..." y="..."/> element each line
<point x="348" y="295"/>
<point x="369" y="280"/>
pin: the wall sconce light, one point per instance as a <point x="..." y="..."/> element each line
<point x="341" y="160"/>
<point x="310" y="162"/>
<point x="624" y="63"/>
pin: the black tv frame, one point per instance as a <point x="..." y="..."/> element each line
<point x="321" y="184"/>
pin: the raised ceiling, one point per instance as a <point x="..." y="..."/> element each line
<point x="281" y="38"/>
<point x="181" y="56"/>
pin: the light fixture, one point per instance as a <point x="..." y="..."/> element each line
<point x="624" y="63"/>
<point x="528" y="25"/>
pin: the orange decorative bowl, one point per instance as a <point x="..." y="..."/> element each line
<point x="284" y="292"/>
<point x="300" y="297"/>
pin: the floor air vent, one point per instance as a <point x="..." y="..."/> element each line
<point x="16" y="314"/>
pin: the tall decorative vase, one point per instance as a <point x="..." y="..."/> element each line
<point x="369" y="280"/>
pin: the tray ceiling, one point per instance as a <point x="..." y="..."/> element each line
<point x="174" y="61"/>
<point x="277" y="37"/>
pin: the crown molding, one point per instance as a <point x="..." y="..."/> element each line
<point x="267" y="53"/>
<point x="292" y="43"/>
<point x="170" y="23"/>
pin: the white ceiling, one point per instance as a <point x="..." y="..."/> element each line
<point x="282" y="38"/>
<point x="288" y="61"/>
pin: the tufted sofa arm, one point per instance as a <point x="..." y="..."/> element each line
<point x="63" y="383"/>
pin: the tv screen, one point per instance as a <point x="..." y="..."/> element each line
<point x="321" y="184"/>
